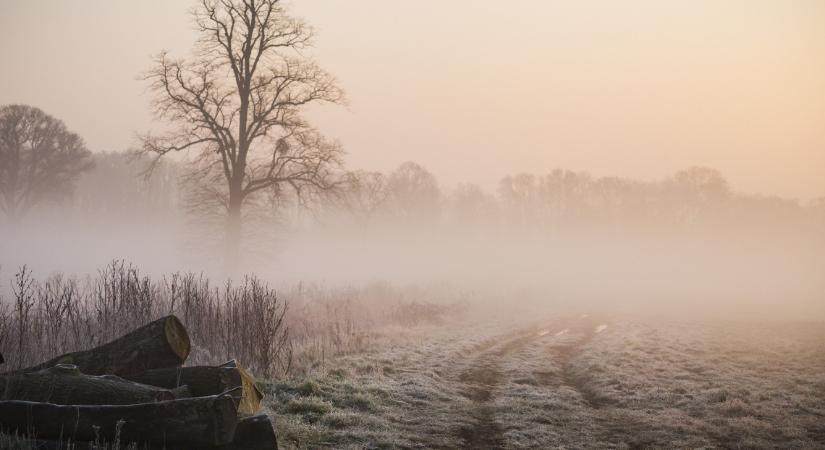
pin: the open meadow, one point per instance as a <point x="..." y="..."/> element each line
<point x="566" y="382"/>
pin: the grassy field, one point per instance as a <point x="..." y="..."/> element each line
<point x="469" y="381"/>
<point x="565" y="382"/>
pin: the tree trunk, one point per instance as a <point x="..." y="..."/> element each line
<point x="234" y="228"/>
<point x="196" y="422"/>
<point x="66" y="385"/>
<point x="162" y="343"/>
<point x="205" y="380"/>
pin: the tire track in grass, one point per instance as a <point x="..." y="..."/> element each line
<point x="481" y="378"/>
<point x="587" y="328"/>
<point x="610" y="424"/>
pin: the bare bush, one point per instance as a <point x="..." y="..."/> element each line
<point x="59" y="315"/>
<point x="246" y="321"/>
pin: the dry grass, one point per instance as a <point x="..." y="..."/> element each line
<point x="46" y="318"/>
<point x="293" y="331"/>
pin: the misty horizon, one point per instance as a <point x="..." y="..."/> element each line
<point x="637" y="92"/>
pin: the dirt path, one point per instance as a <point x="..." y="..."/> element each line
<point x="586" y="328"/>
<point x="484" y="374"/>
<point x="481" y="378"/>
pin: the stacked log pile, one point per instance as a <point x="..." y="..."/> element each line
<point x="135" y="389"/>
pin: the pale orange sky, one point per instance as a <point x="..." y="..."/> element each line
<point x="475" y="89"/>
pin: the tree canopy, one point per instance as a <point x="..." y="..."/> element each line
<point x="40" y="159"/>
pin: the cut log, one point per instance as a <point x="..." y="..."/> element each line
<point x="253" y="433"/>
<point x="64" y="384"/>
<point x="251" y="400"/>
<point x="188" y="423"/>
<point x="206" y="380"/>
<point x="162" y="343"/>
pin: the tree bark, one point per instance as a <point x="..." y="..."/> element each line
<point x="196" y="422"/>
<point x="65" y="385"/>
<point x="206" y="380"/>
<point x="253" y="433"/>
<point x="162" y="343"/>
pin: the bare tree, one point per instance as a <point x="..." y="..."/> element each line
<point x="470" y="205"/>
<point x="366" y="194"/>
<point x="40" y="159"/>
<point x="237" y="104"/>
<point x="414" y="192"/>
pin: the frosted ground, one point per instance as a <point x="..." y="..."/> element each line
<point x="571" y="381"/>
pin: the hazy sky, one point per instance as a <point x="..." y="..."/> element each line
<point x="474" y="89"/>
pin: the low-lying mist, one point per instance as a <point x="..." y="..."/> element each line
<point x="684" y="245"/>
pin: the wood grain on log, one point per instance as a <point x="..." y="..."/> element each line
<point x="162" y="343"/>
<point x="252" y="395"/>
<point x="207" y="380"/>
<point x="188" y="423"/>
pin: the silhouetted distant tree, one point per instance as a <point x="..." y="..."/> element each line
<point x="115" y="189"/>
<point x="414" y="192"/>
<point x="237" y="103"/>
<point x="519" y="196"/>
<point x="468" y="205"/>
<point x="40" y="159"/>
<point x="703" y="182"/>
<point x="567" y="194"/>
<point x="365" y="195"/>
<point x="698" y="192"/>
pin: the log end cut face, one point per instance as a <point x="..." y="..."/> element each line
<point x="177" y="337"/>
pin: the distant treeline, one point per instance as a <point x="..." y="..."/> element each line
<point x="696" y="197"/>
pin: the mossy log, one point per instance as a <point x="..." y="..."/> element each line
<point x="162" y="343"/>
<point x="201" y="422"/>
<point x="208" y="380"/>
<point x="64" y="384"/>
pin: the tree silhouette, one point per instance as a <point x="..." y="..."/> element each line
<point x="237" y="103"/>
<point x="40" y="159"/>
<point x="414" y="192"/>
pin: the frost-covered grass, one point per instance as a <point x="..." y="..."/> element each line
<point x="404" y="393"/>
<point x="632" y="384"/>
<point x="728" y="384"/>
<point x="570" y="382"/>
